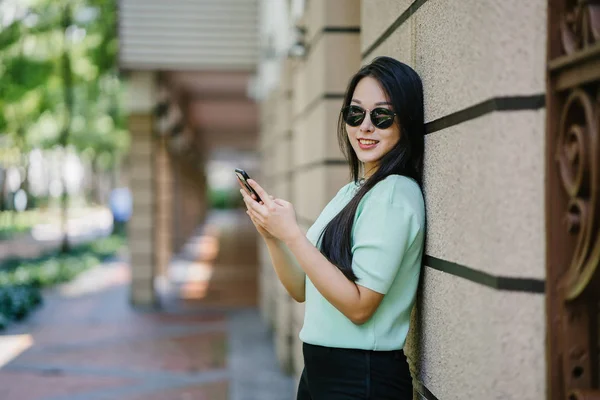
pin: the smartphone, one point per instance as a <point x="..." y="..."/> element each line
<point x="243" y="177"/>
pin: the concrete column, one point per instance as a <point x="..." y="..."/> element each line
<point x="194" y="204"/>
<point x="164" y="202"/>
<point x="189" y="209"/>
<point x="318" y="168"/>
<point x="281" y="187"/>
<point x="143" y="222"/>
<point x="301" y="160"/>
<point x="141" y="227"/>
<point x="267" y="277"/>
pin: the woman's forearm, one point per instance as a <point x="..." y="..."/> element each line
<point x="342" y="293"/>
<point x="289" y="272"/>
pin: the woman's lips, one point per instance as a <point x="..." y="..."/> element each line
<point x="366" y="144"/>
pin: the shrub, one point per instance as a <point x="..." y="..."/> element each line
<point x="21" y="280"/>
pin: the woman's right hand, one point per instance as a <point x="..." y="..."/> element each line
<point x="250" y="197"/>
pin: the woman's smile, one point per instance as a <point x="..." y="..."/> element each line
<point x="367" y="144"/>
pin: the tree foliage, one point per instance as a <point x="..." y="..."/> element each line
<point x="35" y="44"/>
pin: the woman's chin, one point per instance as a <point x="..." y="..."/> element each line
<point x="367" y="160"/>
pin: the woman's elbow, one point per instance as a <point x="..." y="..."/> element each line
<point x="359" y="317"/>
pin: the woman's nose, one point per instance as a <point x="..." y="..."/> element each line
<point x="366" y="125"/>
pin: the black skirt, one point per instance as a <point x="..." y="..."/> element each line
<point x="344" y="374"/>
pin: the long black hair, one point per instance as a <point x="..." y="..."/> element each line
<point x="404" y="90"/>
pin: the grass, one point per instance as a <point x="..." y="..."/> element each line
<point x="13" y="223"/>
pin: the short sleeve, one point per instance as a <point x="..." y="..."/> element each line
<point x="381" y="236"/>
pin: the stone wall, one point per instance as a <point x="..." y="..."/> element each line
<point x="479" y="327"/>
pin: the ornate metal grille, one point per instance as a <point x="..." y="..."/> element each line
<point x="573" y="199"/>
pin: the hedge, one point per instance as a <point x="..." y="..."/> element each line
<point x="21" y="280"/>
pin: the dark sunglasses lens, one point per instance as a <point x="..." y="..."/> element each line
<point x="382" y="118"/>
<point x="353" y="115"/>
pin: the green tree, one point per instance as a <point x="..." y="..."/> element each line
<point x="60" y="83"/>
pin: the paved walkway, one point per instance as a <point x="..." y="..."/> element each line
<point x="86" y="343"/>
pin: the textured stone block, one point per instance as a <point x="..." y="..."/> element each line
<point x="473" y="50"/>
<point x="385" y="12"/>
<point x="480" y="343"/>
<point x="484" y="189"/>
<point x="315" y="187"/>
<point x="315" y="135"/>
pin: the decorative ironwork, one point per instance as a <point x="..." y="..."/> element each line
<point x="580" y="26"/>
<point x="573" y="199"/>
<point x="577" y="150"/>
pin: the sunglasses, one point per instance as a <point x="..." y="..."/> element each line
<point x="381" y="117"/>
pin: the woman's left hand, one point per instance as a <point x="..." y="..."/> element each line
<point x="274" y="215"/>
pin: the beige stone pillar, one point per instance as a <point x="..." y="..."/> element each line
<point x="281" y="165"/>
<point x="189" y="207"/>
<point x="142" y="226"/>
<point x="319" y="81"/>
<point x="267" y="278"/>
<point x="300" y="158"/>
<point x="163" y="190"/>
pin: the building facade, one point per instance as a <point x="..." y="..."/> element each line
<point x="480" y="326"/>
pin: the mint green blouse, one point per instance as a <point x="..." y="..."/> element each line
<point x="387" y="248"/>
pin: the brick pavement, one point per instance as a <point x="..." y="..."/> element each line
<point x="88" y="344"/>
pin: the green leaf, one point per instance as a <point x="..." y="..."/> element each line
<point x="11" y="34"/>
<point x="23" y="74"/>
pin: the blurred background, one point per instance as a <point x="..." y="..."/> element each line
<point x="129" y="269"/>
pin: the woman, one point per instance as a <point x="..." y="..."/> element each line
<point x="358" y="266"/>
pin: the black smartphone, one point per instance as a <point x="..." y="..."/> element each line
<point x="243" y="177"/>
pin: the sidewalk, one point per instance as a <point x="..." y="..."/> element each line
<point x="87" y="343"/>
